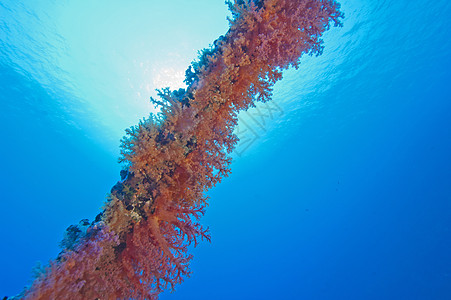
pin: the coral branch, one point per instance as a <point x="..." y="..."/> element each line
<point x="138" y="246"/>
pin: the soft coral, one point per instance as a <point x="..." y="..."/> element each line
<point x="152" y="216"/>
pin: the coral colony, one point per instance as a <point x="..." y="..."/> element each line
<point x="138" y="245"/>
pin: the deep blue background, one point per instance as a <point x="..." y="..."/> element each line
<point x="345" y="194"/>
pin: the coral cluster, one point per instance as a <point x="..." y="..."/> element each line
<point x="138" y="246"/>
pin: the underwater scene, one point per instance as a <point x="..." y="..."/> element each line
<point x="252" y="149"/>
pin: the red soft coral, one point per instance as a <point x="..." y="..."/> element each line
<point x="152" y="216"/>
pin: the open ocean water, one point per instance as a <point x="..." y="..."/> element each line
<point x="340" y="187"/>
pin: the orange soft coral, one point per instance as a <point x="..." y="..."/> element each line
<point x="141" y="246"/>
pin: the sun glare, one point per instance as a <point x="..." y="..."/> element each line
<point x="169" y="77"/>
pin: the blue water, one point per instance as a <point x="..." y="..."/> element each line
<point x="343" y="191"/>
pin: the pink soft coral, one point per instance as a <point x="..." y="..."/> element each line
<point x="152" y="215"/>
